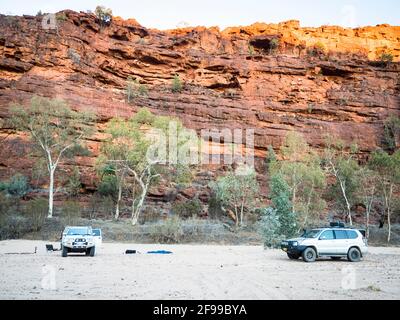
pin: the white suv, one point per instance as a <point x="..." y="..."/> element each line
<point x="334" y="242"/>
<point x="78" y="239"/>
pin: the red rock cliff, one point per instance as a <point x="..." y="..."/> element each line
<point x="234" y="78"/>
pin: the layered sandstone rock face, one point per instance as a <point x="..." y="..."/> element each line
<point x="234" y="78"/>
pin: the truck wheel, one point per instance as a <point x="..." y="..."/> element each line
<point x="64" y="251"/>
<point x="92" y="251"/>
<point x="309" y="255"/>
<point x="354" y="255"/>
<point x="293" y="256"/>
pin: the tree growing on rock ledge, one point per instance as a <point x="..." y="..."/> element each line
<point x="55" y="130"/>
<point x="103" y="14"/>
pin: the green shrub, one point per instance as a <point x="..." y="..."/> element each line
<point x="6" y="204"/>
<point x="100" y="204"/>
<point x="70" y="213"/>
<point x="273" y="45"/>
<point x="17" y="186"/>
<point x="187" y="209"/>
<point x="280" y="197"/>
<point x="317" y="50"/>
<point x="391" y="133"/>
<point x="36" y="211"/>
<point x="14" y="226"/>
<point x="135" y="89"/>
<point x="168" y="231"/>
<point x="215" y="207"/>
<point x="61" y="17"/>
<point x="108" y="186"/>
<point x="251" y="50"/>
<point x="270" y="227"/>
<point x="74" y="56"/>
<point x="386" y="58"/>
<point x="144" y="116"/>
<point x="73" y="185"/>
<point x="177" y="85"/>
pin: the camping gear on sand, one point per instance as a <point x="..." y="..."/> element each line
<point x="148" y="252"/>
<point x="22" y="252"/>
<point x="49" y="247"/>
<point x="131" y="252"/>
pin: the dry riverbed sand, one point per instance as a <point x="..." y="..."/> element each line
<point x="192" y="272"/>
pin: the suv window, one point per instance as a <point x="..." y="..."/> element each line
<point x="352" y="234"/>
<point x="341" y="234"/>
<point x="327" y="235"/>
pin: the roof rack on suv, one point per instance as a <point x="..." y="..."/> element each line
<point x="337" y="225"/>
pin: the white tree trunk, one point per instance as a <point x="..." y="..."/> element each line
<point x="389" y="204"/>
<point x="241" y="213"/>
<point x="343" y="188"/>
<point x="51" y="193"/>
<point x="118" y="201"/>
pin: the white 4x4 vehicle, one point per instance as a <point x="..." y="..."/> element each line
<point x="78" y="239"/>
<point x="334" y="242"/>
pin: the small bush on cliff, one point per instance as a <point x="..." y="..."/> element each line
<point x="177" y="85"/>
<point x="74" y="56"/>
<point x="187" y="209"/>
<point x="251" y="50"/>
<point x="391" y="133"/>
<point x="61" y="17"/>
<point x="273" y="45"/>
<point x="144" y="116"/>
<point x="386" y="59"/>
<point x="103" y="14"/>
<point x="73" y="184"/>
<point x="135" y="89"/>
<point x="317" y="50"/>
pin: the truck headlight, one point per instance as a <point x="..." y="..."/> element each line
<point x="295" y="244"/>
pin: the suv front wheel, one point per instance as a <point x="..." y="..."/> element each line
<point x="91" y="251"/>
<point x="64" y="251"/>
<point x="309" y="255"/>
<point x="354" y="255"/>
<point x="293" y="256"/>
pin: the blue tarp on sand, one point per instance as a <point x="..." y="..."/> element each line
<point x="159" y="252"/>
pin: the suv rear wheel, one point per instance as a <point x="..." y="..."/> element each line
<point x="309" y="255"/>
<point x="354" y="255"/>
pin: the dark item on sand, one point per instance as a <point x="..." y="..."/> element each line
<point x="130" y="251"/>
<point x="49" y="247"/>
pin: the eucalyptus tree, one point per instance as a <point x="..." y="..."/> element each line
<point x="55" y="130"/>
